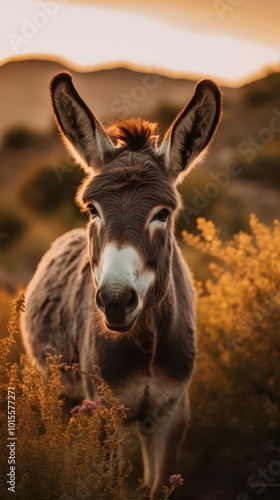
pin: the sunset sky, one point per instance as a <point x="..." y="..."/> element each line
<point x="227" y="39"/>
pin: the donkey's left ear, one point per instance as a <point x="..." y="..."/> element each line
<point x="190" y="134"/>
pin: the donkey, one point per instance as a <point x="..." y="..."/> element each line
<point x="119" y="295"/>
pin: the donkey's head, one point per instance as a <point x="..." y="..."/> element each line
<point x="130" y="194"/>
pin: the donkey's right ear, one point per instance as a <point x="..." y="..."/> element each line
<point x="82" y="133"/>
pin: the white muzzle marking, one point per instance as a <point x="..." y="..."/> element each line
<point x="124" y="266"/>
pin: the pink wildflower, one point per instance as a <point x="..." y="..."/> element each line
<point x="75" y="410"/>
<point x="85" y="408"/>
<point x="88" y="405"/>
<point x="119" y="408"/>
<point x="74" y="367"/>
<point x="176" y="480"/>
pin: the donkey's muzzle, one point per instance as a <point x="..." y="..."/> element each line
<point x="119" y="307"/>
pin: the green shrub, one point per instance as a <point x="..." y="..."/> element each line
<point x="18" y="138"/>
<point x="264" y="169"/>
<point x="165" y="114"/>
<point x="11" y="228"/>
<point x="45" y="190"/>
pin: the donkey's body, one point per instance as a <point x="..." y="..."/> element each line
<point x="146" y="369"/>
<point x="120" y="296"/>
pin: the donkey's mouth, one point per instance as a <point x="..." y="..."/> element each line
<point x="121" y="329"/>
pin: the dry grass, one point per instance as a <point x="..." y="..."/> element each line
<point x="234" y="393"/>
<point x="58" y="457"/>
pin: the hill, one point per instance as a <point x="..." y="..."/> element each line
<point x="248" y="138"/>
<point x="24" y="95"/>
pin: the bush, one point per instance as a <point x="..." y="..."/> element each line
<point x="165" y="114"/>
<point x="18" y="138"/>
<point x="264" y="169"/>
<point x="58" y="457"/>
<point x="257" y="97"/>
<point x="11" y="229"/>
<point x="48" y="188"/>
<point x="235" y="393"/>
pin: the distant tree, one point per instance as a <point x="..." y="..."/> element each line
<point x="18" y="138"/>
<point x="46" y="189"/>
<point x="165" y="114"/>
<point x="12" y="228"/>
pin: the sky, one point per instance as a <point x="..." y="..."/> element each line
<point x="227" y="39"/>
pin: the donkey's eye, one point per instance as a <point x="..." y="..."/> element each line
<point x="93" y="210"/>
<point x="162" y="216"/>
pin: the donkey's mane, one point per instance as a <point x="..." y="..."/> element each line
<point x="134" y="134"/>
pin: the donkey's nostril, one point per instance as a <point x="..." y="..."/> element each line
<point x="100" y="302"/>
<point x="132" y="302"/>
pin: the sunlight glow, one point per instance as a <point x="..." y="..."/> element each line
<point x="95" y="36"/>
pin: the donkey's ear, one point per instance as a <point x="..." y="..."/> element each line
<point x="192" y="131"/>
<point x="82" y="133"/>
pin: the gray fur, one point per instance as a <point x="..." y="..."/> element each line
<point x="148" y="367"/>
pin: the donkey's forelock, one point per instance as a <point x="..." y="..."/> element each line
<point x="134" y="134"/>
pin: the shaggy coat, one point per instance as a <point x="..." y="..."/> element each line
<point x="119" y="294"/>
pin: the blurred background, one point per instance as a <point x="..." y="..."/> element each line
<point x="129" y="60"/>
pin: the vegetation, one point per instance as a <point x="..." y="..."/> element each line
<point x="235" y="401"/>
<point x="262" y="92"/>
<point x="18" y="138"/>
<point x="12" y="227"/>
<point x="235" y="404"/>
<point x="265" y="170"/>
<point x="165" y="114"/>
<point x="58" y="457"/>
<point x="235" y="398"/>
<point x="48" y="188"/>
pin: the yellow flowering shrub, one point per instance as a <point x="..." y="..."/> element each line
<point x="59" y="455"/>
<point x="235" y="391"/>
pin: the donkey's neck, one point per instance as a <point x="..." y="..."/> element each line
<point x="157" y="320"/>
